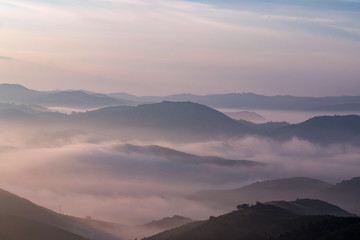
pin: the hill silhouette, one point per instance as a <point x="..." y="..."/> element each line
<point x="132" y="232"/>
<point x="256" y="101"/>
<point x="75" y="99"/>
<point x="261" y="222"/>
<point x="40" y="217"/>
<point x="345" y="194"/>
<point x="176" y="120"/>
<point x="264" y="128"/>
<point x="174" y="155"/>
<point x="169" y="222"/>
<point x="180" y="119"/>
<point x="311" y="207"/>
<point x="17" y="228"/>
<point x="20" y="94"/>
<point x="15" y="93"/>
<point x="279" y="189"/>
<point x="324" y="130"/>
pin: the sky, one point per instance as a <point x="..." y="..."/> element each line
<point x="161" y="47"/>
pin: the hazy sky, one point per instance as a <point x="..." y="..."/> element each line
<point x="159" y="47"/>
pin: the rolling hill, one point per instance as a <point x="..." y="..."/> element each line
<point x="280" y="189"/>
<point x="263" y="222"/>
<point x="14" y="93"/>
<point x="345" y="194"/>
<point x="25" y="213"/>
<point x="75" y="99"/>
<point x="17" y="228"/>
<point x="256" y="101"/>
<point x="311" y="207"/>
<point x="169" y="222"/>
<point x="174" y="155"/>
<point x="323" y="130"/>
<point x="181" y="120"/>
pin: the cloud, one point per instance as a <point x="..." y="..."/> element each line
<point x="88" y="174"/>
<point x="180" y="45"/>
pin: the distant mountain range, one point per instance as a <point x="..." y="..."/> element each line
<point x="184" y="121"/>
<point x="256" y="101"/>
<point x="14" y="93"/>
<point x="345" y="194"/>
<point x="265" y="221"/>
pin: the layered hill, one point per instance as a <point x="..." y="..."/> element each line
<point x="313" y="207"/>
<point x="279" y="189"/>
<point x="75" y="99"/>
<point x="138" y="231"/>
<point x="264" y="221"/>
<point x="264" y="128"/>
<point x="14" y="93"/>
<point x="345" y="194"/>
<point x="19" y="94"/>
<point x="169" y="222"/>
<point x="177" y="119"/>
<point x="182" y="157"/>
<point x="324" y="130"/>
<point x="256" y="101"/>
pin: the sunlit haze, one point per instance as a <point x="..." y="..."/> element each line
<point x="162" y="47"/>
<point x="179" y="119"/>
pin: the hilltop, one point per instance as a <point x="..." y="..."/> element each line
<point x="261" y="222"/>
<point x="346" y="194"/>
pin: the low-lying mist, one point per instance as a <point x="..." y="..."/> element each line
<point x="89" y="174"/>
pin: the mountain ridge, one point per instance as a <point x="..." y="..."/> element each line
<point x="257" y="101"/>
<point x="227" y="100"/>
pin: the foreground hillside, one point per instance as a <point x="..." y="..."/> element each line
<point x="265" y="221"/>
<point x="17" y="228"/>
<point x="39" y="221"/>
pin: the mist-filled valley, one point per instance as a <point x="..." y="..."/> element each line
<point x="128" y="165"/>
<point x="179" y="120"/>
